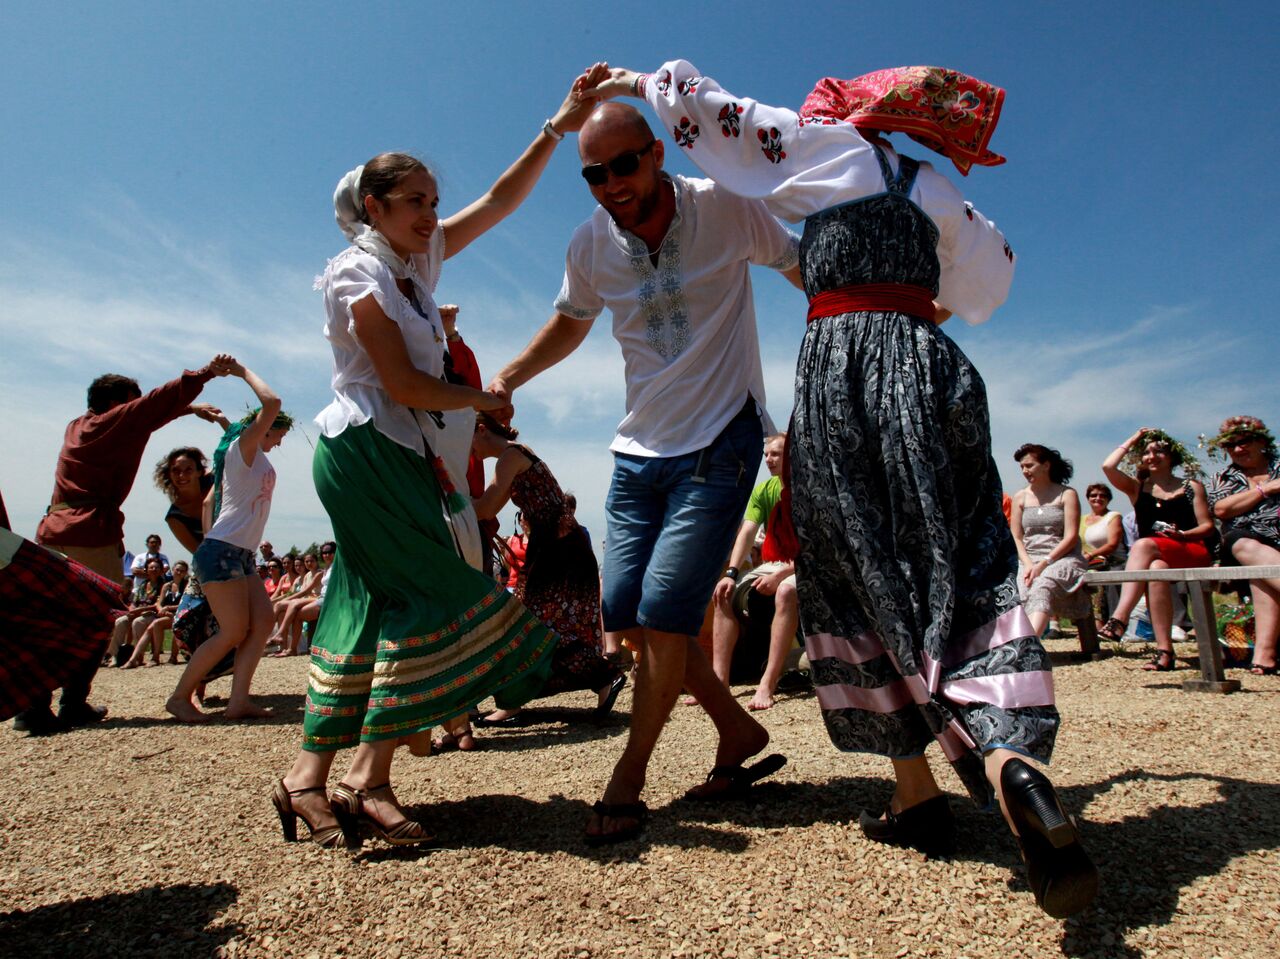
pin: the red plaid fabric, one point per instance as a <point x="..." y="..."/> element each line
<point x="55" y="619"/>
<point x="949" y="112"/>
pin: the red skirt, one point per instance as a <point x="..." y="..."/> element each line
<point x="1182" y="554"/>
<point x="55" y="620"/>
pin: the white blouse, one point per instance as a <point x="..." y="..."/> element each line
<point x="801" y="165"/>
<point x="358" y="392"/>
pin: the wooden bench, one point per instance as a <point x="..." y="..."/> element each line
<point x="1200" y="588"/>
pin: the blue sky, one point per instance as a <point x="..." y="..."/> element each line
<point x="168" y="168"/>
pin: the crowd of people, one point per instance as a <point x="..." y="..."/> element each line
<point x="921" y="608"/>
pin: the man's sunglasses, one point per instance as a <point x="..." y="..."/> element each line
<point x="624" y="164"/>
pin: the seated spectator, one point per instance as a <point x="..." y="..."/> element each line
<point x="304" y="607"/>
<point x="1045" y="520"/>
<point x="1244" y="497"/>
<point x="166" y="607"/>
<point x="517" y="547"/>
<point x="143" y="609"/>
<point x="1173" y="524"/>
<point x="139" y="568"/>
<point x="267" y="550"/>
<point x="276" y="578"/>
<point x="774" y="577"/>
<point x="1103" y="539"/>
<point x="306" y="585"/>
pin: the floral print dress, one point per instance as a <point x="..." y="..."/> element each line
<point x="559" y="582"/>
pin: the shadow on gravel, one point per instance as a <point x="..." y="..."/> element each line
<point x="157" y="922"/>
<point x="557" y="825"/>
<point x="1147" y="861"/>
<point x="537" y="728"/>
<point x="287" y="709"/>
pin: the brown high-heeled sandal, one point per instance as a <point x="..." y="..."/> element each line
<point x="329" y="837"/>
<point x="347" y="804"/>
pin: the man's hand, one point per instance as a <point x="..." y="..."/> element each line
<point x="723" y="594"/>
<point x="616" y="82"/>
<point x="496" y="405"/>
<point x="768" y="584"/>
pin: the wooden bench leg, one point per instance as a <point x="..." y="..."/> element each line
<point x="1088" y="632"/>
<point x="1211" y="678"/>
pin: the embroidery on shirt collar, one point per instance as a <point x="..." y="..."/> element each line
<point x="661" y="294"/>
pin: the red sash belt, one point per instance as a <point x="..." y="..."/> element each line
<point x="890" y="297"/>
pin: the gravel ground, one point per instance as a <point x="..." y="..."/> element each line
<point x="144" y="838"/>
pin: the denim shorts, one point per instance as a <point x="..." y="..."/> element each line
<point x="218" y="562"/>
<point x="671" y="524"/>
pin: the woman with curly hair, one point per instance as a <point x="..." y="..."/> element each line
<point x="183" y="475"/>
<point x="1173" y="524"/>
<point x="1246" y="498"/>
<point x="1046" y="530"/>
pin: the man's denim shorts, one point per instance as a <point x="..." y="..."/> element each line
<point x="218" y="562"/>
<point x="671" y="524"/>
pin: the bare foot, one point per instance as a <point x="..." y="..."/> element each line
<point x="689" y="701"/>
<point x="761" y="701"/>
<point x="500" y="715"/>
<point x="183" y="711"/>
<point x="247" y="711"/>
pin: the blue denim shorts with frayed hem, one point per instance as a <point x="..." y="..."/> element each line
<point x="218" y="562"/>
<point x="671" y="524"/>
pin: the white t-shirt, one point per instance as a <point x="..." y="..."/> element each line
<point x="687" y="327"/>
<point x="819" y="163"/>
<point x="246" y="499"/>
<point x="138" y="568"/>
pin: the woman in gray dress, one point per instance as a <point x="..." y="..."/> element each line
<point x="1046" y="529"/>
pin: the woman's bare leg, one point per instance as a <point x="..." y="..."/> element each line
<point x="249" y="653"/>
<point x="229" y="602"/>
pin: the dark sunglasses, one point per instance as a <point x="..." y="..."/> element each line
<point x="624" y="164"/>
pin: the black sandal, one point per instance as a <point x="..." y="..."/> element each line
<point x="1162" y="662"/>
<point x="741" y="779"/>
<point x="623" y="810"/>
<point x="1113" y="630"/>
<point x="1264" y="670"/>
<point x="347" y="804"/>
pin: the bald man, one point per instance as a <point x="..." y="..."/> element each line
<point x="669" y="257"/>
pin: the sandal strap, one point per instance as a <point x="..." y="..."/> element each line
<point x="621" y="810"/>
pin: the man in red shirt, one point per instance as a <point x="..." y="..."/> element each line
<point x="101" y="452"/>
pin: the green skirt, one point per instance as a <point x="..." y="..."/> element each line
<point x="409" y="634"/>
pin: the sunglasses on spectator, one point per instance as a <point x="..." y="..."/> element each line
<point x="624" y="164"/>
<point x="326" y="552"/>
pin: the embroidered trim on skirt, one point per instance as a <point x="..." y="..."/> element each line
<point x="907" y="569"/>
<point x="56" y="617"/>
<point x="409" y="634"/>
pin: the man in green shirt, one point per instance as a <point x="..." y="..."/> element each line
<point x="775" y="576"/>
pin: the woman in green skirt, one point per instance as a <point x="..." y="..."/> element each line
<point x="400" y="649"/>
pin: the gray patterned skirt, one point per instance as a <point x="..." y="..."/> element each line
<point x="907" y="569"/>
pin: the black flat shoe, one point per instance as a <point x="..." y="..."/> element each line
<point x="81" y="714"/>
<point x="38" y="721"/>
<point x="927" y="827"/>
<point x="1060" y="872"/>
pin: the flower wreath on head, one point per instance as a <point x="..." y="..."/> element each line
<point x="1236" y="427"/>
<point x="1190" y="464"/>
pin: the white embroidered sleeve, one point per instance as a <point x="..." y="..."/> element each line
<point x="976" y="262"/>
<point x="796" y="165"/>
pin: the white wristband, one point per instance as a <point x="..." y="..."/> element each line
<point x="550" y="131"/>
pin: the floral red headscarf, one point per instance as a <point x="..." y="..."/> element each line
<point x="949" y="112"/>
